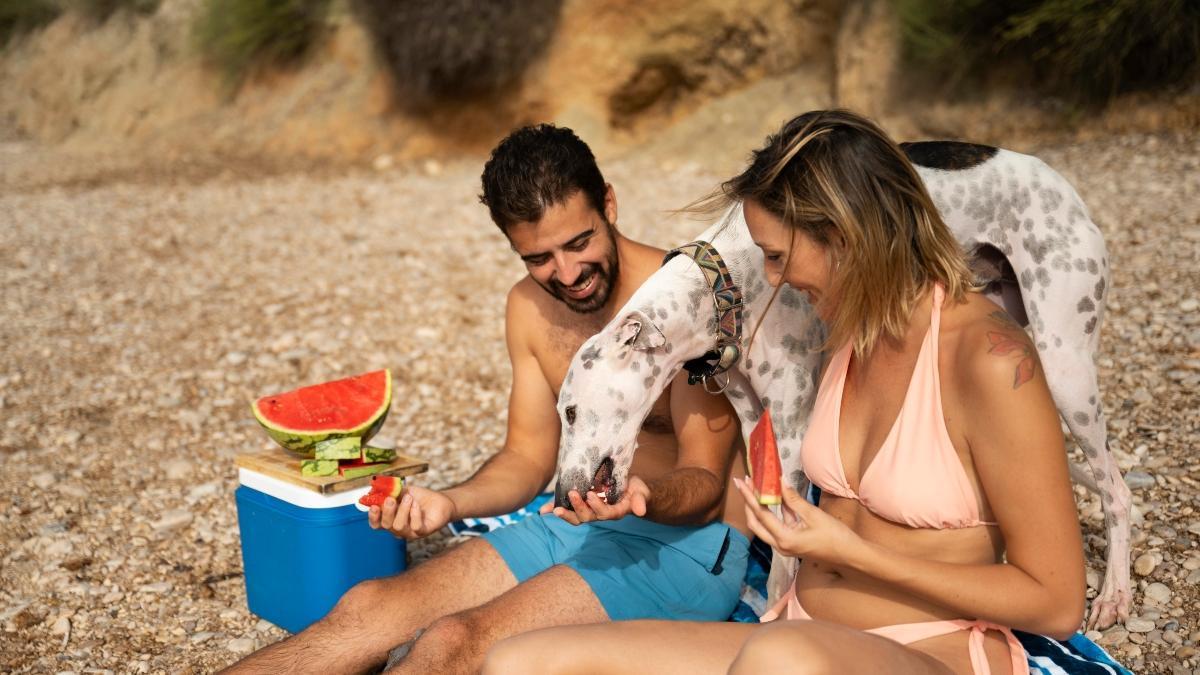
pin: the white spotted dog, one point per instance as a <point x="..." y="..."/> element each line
<point x="1033" y="243"/>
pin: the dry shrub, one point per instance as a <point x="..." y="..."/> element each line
<point x="457" y="50"/>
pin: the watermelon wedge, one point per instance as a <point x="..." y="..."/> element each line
<point x="355" y="407"/>
<point x="765" y="472"/>
<point x="382" y="487"/>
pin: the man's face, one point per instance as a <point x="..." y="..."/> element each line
<point x="571" y="252"/>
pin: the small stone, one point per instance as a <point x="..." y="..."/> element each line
<point x="1138" y="480"/>
<point x="198" y="638"/>
<point x="1189" y="305"/>
<point x="1158" y="593"/>
<point x="1138" y="625"/>
<point x="62" y="626"/>
<point x="1191" y="564"/>
<point x="263" y="626"/>
<point x="158" y="587"/>
<point x="172" y="520"/>
<point x="1185" y="652"/>
<point x="235" y="358"/>
<point x="241" y="645"/>
<point x="1145" y="564"/>
<point x="1132" y="651"/>
<point x="1193" y="577"/>
<point x="1114" y="637"/>
<point x="43" y="480"/>
<point x="382" y="163"/>
<point x="178" y="469"/>
<point x="1172" y="638"/>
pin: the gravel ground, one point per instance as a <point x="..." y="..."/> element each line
<point x="166" y="297"/>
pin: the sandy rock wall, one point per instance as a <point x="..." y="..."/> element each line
<point x="618" y="70"/>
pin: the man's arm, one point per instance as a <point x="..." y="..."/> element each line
<point x="514" y="475"/>
<point x="692" y="492"/>
<point x="705" y="425"/>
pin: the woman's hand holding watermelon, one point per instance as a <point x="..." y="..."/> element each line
<point x="418" y="513"/>
<point x="805" y="530"/>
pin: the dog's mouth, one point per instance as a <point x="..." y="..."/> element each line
<point x="603" y="483"/>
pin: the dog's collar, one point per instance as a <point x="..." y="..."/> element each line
<point x="727" y="299"/>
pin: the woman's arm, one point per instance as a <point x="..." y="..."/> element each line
<point x="1017" y="449"/>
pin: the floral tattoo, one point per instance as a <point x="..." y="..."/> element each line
<point x="1005" y="343"/>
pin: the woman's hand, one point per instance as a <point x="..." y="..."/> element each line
<point x="805" y="531"/>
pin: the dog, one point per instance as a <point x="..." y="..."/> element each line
<point x="1031" y="242"/>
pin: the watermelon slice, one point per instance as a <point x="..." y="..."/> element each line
<point x="359" y="468"/>
<point x="382" y="487"/>
<point x="765" y="472"/>
<point x="351" y="408"/>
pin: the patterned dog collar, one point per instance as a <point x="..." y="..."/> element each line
<point x="727" y="299"/>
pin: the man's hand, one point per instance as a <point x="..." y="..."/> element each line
<point x="635" y="499"/>
<point x="418" y="513"/>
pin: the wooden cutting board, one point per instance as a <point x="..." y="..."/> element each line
<point x="279" y="463"/>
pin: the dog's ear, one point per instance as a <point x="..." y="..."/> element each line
<point x="637" y="331"/>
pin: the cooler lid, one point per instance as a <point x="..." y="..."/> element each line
<point x="296" y="495"/>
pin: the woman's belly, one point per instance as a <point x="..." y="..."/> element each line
<point x="846" y="596"/>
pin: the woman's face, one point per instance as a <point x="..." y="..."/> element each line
<point x="789" y="255"/>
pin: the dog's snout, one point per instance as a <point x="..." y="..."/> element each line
<point x="569" y="413"/>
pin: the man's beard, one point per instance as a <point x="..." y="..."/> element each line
<point x="606" y="274"/>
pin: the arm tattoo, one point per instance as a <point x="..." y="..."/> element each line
<point x="1005" y="343"/>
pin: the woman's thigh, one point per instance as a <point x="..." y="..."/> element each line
<point x="625" y="646"/>
<point x="811" y="647"/>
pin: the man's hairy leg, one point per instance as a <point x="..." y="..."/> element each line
<point x="457" y="643"/>
<point x="379" y="614"/>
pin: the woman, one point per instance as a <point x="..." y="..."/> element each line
<point x="947" y="515"/>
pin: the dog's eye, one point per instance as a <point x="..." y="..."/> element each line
<point x="569" y="412"/>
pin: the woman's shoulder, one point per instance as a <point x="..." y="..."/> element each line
<point x="989" y="348"/>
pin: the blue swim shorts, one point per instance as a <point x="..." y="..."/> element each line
<point x="637" y="568"/>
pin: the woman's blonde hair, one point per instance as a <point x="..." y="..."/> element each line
<point x="837" y="177"/>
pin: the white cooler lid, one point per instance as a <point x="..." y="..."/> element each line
<point x="294" y="494"/>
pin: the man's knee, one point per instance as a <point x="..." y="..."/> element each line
<point x="354" y="609"/>
<point x="787" y="649"/>
<point x="455" y="632"/>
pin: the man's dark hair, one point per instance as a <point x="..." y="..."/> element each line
<point x="536" y="167"/>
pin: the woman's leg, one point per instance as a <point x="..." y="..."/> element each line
<point x="691" y="648"/>
<point x="811" y="647"/>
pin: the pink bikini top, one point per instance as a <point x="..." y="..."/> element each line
<point x="916" y="478"/>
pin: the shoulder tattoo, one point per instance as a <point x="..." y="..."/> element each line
<point x="1010" y="341"/>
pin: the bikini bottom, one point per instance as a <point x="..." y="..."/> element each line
<point x="906" y="633"/>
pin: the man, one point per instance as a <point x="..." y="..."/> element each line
<point x="656" y="553"/>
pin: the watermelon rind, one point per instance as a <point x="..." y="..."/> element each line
<point x="303" y="442"/>
<point x="318" y="467"/>
<point x="347" y="447"/>
<point x="359" y="470"/>
<point x="373" y="454"/>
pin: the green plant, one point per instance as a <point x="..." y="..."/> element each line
<point x="1084" y="50"/>
<point x="235" y="35"/>
<point x="21" y="16"/>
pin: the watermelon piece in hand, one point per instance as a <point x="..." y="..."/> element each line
<point x="382" y="487"/>
<point x="351" y="408"/>
<point x="765" y="473"/>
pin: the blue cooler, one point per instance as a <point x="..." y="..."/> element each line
<point x="301" y="550"/>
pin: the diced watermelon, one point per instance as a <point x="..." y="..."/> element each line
<point x="765" y="472"/>
<point x="382" y="487"/>
<point x="318" y="467"/>
<point x="373" y="454"/>
<point x="359" y="468"/>
<point x="347" y="447"/>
